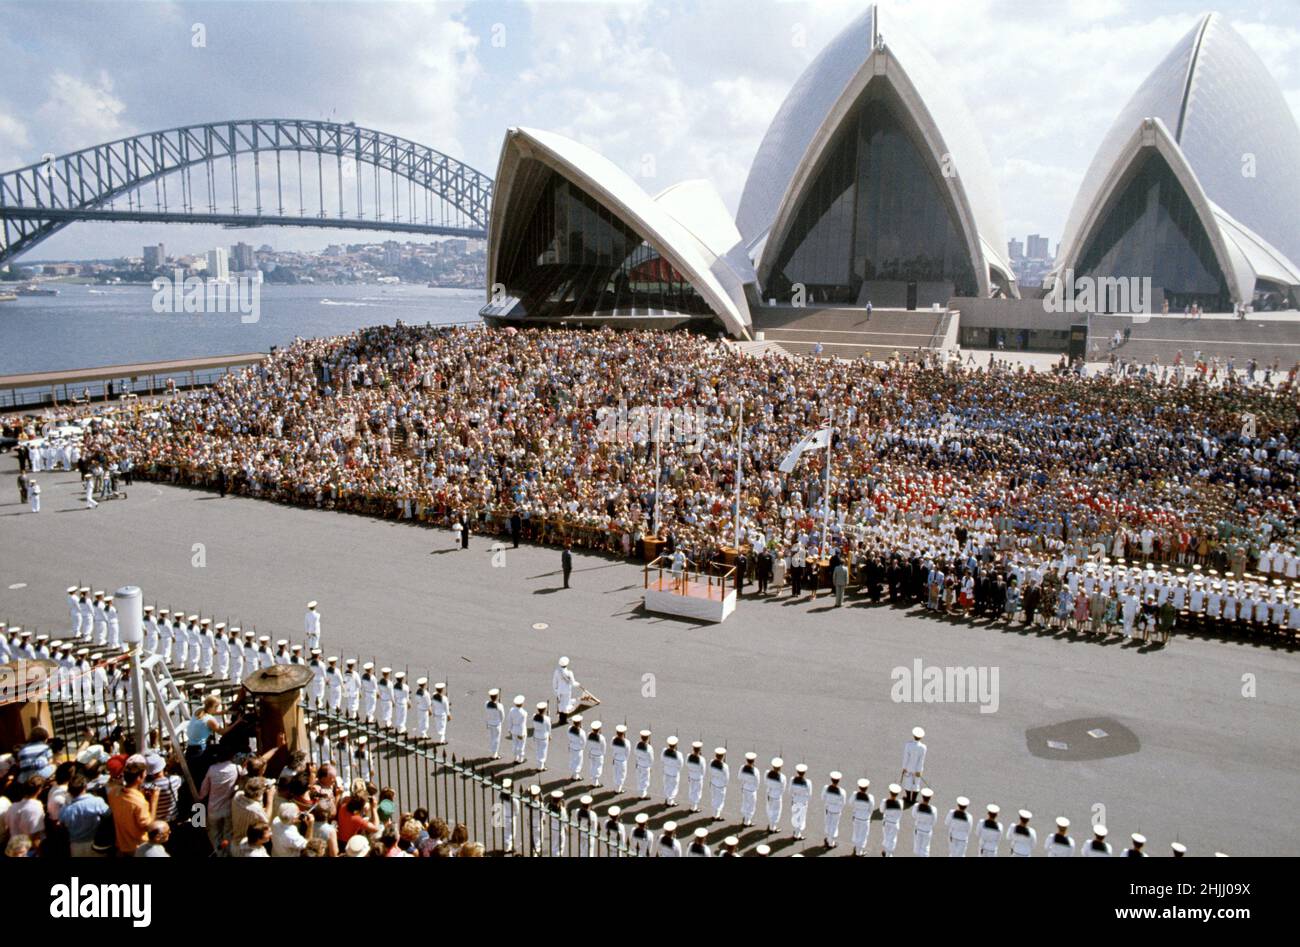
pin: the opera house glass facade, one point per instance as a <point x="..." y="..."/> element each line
<point x="575" y="256"/>
<point x="875" y="213"/>
<point x="1152" y="228"/>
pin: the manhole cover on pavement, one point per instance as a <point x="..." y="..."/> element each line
<point x="540" y="626"/>
<point x="1065" y="741"/>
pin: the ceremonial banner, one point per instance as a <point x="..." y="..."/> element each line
<point x="817" y="439"/>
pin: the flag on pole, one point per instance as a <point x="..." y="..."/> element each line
<point x="817" y="439"/>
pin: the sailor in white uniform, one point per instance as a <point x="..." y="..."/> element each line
<point x="990" y="833"/>
<point x="699" y="847"/>
<point x="614" y="832"/>
<point x="643" y="839"/>
<point x="588" y="831"/>
<point x="235" y="648"/>
<point x="864" y="806"/>
<point x="1097" y="846"/>
<point x="311" y="626"/>
<point x="1060" y="845"/>
<point x="361" y="760"/>
<point x="150" y="643"/>
<point x="541" y="734"/>
<point x="670" y="762"/>
<point x="206" y="645"/>
<point x="34" y="494"/>
<point x="509" y="804"/>
<point x="774" y="784"/>
<point x="1136" y="841"/>
<point x="441" y="712"/>
<point x="923" y="819"/>
<point x="557" y="823"/>
<point x="517" y="727"/>
<point x="563" y="683"/>
<point x="321" y="753"/>
<point x="596" y="747"/>
<point x="282" y="655"/>
<point x="960" y="826"/>
<point x="423" y="703"/>
<point x="101" y="621"/>
<point x="333" y="684"/>
<point x="643" y="755"/>
<point x="695" y="776"/>
<point x="668" y="846"/>
<point x="913" y="765"/>
<point x="577" y="738"/>
<point x="834" y="799"/>
<point x="88" y="614"/>
<point x="384" y="698"/>
<point x="536" y="819"/>
<point x="265" y="659"/>
<point x="351" y="687"/>
<point x="401" y="701"/>
<point x="748" y="779"/>
<point x="800" y="797"/>
<point x="368" y="685"/>
<point x="493" y="717"/>
<point x="74" y="611"/>
<point x="221" y="652"/>
<point x="619" y="751"/>
<point x="1022" y="836"/>
<point x="719" y="777"/>
<point x="891" y="811"/>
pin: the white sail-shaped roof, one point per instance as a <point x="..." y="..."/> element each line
<point x="689" y="246"/>
<point x="1232" y="126"/>
<point x="820" y="101"/>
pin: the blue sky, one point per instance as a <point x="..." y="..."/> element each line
<point x="691" y="85"/>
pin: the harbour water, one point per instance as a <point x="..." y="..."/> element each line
<point x="90" y="326"/>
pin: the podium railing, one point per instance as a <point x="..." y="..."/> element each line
<point x="713" y="579"/>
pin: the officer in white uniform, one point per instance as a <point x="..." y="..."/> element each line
<point x="563" y="684"/>
<point x="311" y="626"/>
<point x="423" y="702"/>
<point x="577" y="743"/>
<point x="517" y="727"/>
<point x="1060" y="845"/>
<point x="959" y="825"/>
<point x="834" y="799"/>
<point x="748" y="779"/>
<point x="913" y="765"/>
<point x="800" y="797"/>
<point x="695" y="776"/>
<point x="643" y="756"/>
<point x="619" y="751"/>
<point x="891" y="811"/>
<point x="719" y="777"/>
<point x="493" y="717"/>
<point x="774" y="784"/>
<point x="595" y="753"/>
<point x="670" y="762"/>
<point x="990" y="833"/>
<point x="351" y="687"/>
<point x="401" y="701"/>
<point x="1022" y="836"/>
<point x="643" y="840"/>
<point x="923" y="820"/>
<point x="441" y="713"/>
<point x="333" y="684"/>
<point x="541" y="735"/>
<point x="1097" y="846"/>
<point x="367" y="686"/>
<point x="384" y="698"/>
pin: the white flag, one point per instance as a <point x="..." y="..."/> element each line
<point x="818" y="438"/>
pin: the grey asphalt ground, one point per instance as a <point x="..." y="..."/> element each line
<point x="1187" y="755"/>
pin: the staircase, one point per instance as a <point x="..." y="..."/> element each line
<point x="850" y="333"/>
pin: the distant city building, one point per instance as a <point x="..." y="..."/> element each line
<point x="1038" y="248"/>
<point x="218" y="264"/>
<point x="1015" y="249"/>
<point x="392" y="253"/>
<point x="154" y="257"/>
<point x="242" y="258"/>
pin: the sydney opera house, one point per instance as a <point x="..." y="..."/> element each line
<point x="872" y="187"/>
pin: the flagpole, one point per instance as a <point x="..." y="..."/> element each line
<point x="658" y="467"/>
<point x="826" y="497"/>
<point x="740" y="449"/>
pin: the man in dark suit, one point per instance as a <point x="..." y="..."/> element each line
<point x="516" y="527"/>
<point x="566" y="563"/>
<point x="763" y="571"/>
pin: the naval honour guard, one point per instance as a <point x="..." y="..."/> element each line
<point x="1098" y="847"/>
<point x="595" y="753"/>
<point x="367" y="686"/>
<point x="316" y="687"/>
<point x="990" y="833"/>
<point x="833" y="802"/>
<point x="774" y="784"/>
<point x="577" y="743"/>
<point x="695" y="776"/>
<point x="401" y="702"/>
<point x="74" y="610"/>
<point x="384" y="698"/>
<point x="311" y="626"/>
<point x="1060" y="845"/>
<point x="333" y="684"/>
<point x="619" y="750"/>
<point x="668" y="846"/>
<point x="671" y="763"/>
<point x="423" y="708"/>
<point x="800" y="795"/>
<point x="1022" y="836"/>
<point x="699" y="847"/>
<point x="493" y="718"/>
<point x="441" y="713"/>
<point x="614" y="832"/>
<point x="748" y="780"/>
<point x="863" y="805"/>
<point x="923" y="819"/>
<point x="913" y="765"/>
<point x="719" y="777"/>
<point x="1136" y="841"/>
<point x="958" y="823"/>
<point x="541" y="735"/>
<point x="517" y="727"/>
<point x="643" y="840"/>
<point x="891" y="811"/>
<point x="509" y="815"/>
<point x="644" y="756"/>
<point x="351" y="687"/>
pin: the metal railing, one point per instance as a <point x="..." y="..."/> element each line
<point x="713" y="580"/>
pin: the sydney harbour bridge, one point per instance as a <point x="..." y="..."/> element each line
<point x="248" y="173"/>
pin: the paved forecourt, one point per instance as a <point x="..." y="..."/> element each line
<point x="1185" y="754"/>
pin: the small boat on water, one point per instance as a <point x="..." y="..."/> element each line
<point x="8" y="298"/>
<point x="33" y="290"/>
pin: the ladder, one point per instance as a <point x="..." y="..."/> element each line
<point x="172" y="707"/>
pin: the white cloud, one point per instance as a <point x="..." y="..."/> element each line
<point x="84" y="112"/>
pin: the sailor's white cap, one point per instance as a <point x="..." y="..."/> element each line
<point x="534" y="790"/>
<point x="362" y="740"/>
<point x="719" y="751"/>
<point x="641" y="818"/>
<point x="439" y="686"/>
<point x="613" y="811"/>
<point x="836" y="776"/>
<point x="194" y="618"/>
<point x="368" y="666"/>
<point x="763" y="851"/>
<point x="671" y="741"/>
<point x="1025" y="814"/>
<point x="585" y="800"/>
<point x="311" y="604"/>
<point x="557" y="794"/>
<point x="701" y="833"/>
<point x="621" y="729"/>
<point x="595" y="724"/>
<point x="519" y="700"/>
<point x="421" y="681"/>
<point x="343" y="734"/>
<point x="333" y="659"/>
<point x="751" y="756"/>
<point x="323" y="728"/>
<point x="927" y="793"/>
<point x="220" y="626"/>
<point x="72" y="590"/>
<point x="993" y="808"/>
<point x="351" y="662"/>
<point x="777" y="762"/>
<point x="494" y="693"/>
<point x="507" y="783"/>
<point x="1138" y="838"/>
<point x="670" y="826"/>
<point x="1179" y="848"/>
<point x="315" y="652"/>
<point x="697" y="745"/>
<point x="644" y="734"/>
<point x="918" y="733"/>
<point x="296" y="649"/>
<point x="1062" y="822"/>
<point x="801" y="768"/>
<point x="895" y="789"/>
<point x="864" y="783"/>
<point x="962" y="802"/>
<point x="206" y="621"/>
<point x="541" y="705"/>
<point x="564" y="662"/>
<point x="731" y="841"/>
<point x="385" y="670"/>
<point x="264" y="638"/>
<point x="575" y="719"/>
<point x="400" y="675"/>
